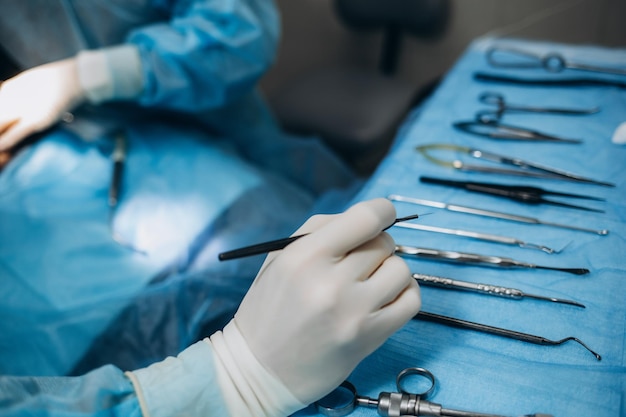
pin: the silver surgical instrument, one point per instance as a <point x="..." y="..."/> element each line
<point x="506" y="240"/>
<point x="493" y="129"/>
<point x="498" y="331"/>
<point x="344" y="399"/>
<point x="115" y="187"/>
<point x="501" y="107"/>
<point x="549" y="81"/>
<point x="522" y="167"/>
<point x="513" y="58"/>
<point x="479" y="260"/>
<point x="486" y="289"/>
<point x="279" y="244"/>
<point x="119" y="159"/>
<point x="492" y="214"/>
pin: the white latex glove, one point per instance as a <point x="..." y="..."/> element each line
<point x="36" y="99"/>
<point x="40" y="97"/>
<point x="315" y="310"/>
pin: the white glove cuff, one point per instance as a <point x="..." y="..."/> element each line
<point x="248" y="388"/>
<point x="112" y="73"/>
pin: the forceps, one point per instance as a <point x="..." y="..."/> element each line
<point x="495" y="130"/>
<point x="521" y="193"/>
<point x="506" y="57"/>
<point x="502" y="106"/>
<point x="525" y="168"/>
<point x="343" y="400"/>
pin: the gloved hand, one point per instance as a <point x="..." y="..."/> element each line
<point x="315" y="310"/>
<point x="37" y="98"/>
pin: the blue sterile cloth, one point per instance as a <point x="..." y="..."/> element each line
<point x="74" y="299"/>
<point x="492" y="374"/>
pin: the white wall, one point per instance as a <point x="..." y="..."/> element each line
<point x="312" y="36"/>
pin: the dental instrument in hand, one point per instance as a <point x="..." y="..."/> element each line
<point x="498" y="331"/>
<point x="476" y="235"/>
<point x="344" y="399"/>
<point x="278" y="244"/>
<point x="548" y="82"/>
<point x="478" y="260"/>
<point x="493" y="129"/>
<point x="524" y="168"/>
<point x="502" y="106"/>
<point x="523" y="194"/>
<point x="486" y="289"/>
<point x="493" y="214"/>
<point x="513" y="58"/>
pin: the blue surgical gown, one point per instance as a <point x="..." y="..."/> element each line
<point x="207" y="169"/>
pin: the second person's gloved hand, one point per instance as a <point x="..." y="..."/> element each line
<point x="39" y="97"/>
<point x="315" y="310"/>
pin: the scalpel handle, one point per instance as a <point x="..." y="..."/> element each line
<point x="436" y="281"/>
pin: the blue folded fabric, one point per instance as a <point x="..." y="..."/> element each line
<point x="70" y="291"/>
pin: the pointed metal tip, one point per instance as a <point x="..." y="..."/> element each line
<point x="556" y="300"/>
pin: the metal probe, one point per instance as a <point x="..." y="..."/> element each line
<point x="498" y="331"/>
<point x="475" y="259"/>
<point x="487" y="289"/>
<point x="493" y="214"/>
<point x="476" y="235"/>
<point x="279" y="244"/>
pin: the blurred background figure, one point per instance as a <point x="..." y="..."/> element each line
<point x="205" y="168"/>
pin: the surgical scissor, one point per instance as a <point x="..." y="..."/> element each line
<point x="345" y="398"/>
<point x="506" y="57"/>
<point x="502" y="106"/>
<point x="523" y="168"/>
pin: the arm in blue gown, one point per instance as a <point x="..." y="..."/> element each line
<point x="183" y="385"/>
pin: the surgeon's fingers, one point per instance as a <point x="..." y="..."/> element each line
<point x="357" y="225"/>
<point x="386" y="283"/>
<point x="396" y="313"/>
<point x="367" y="258"/>
<point x="14" y="134"/>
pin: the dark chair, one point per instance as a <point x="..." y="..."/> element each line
<point x="356" y="111"/>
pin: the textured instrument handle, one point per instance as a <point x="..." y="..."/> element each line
<point x="468" y="286"/>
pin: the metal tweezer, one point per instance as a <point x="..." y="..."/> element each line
<point x="486" y="289"/>
<point x="475" y="259"/>
<point x="492" y="214"/>
<point x="476" y="235"/>
<point x="495" y="130"/>
<point x="524" y="194"/>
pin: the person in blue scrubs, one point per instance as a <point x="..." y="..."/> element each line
<point x="315" y="310"/>
<point x="207" y="169"/>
